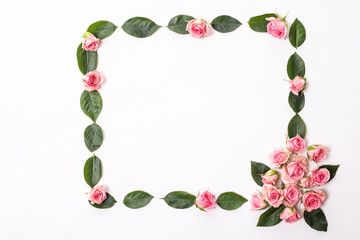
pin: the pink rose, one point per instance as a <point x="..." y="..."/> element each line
<point x="257" y="202"/>
<point x="97" y="194"/>
<point x="206" y="200"/>
<point x="317" y="153"/>
<point x="296" y="144"/>
<point x="297" y="84"/>
<point x="92" y="80"/>
<point x="279" y="157"/>
<point x="292" y="194"/>
<point x="306" y="182"/>
<point x="90" y="42"/>
<point x="290" y="215"/>
<point x="198" y="28"/>
<point x="273" y="195"/>
<point x="313" y="199"/>
<point x="320" y="176"/>
<point x="270" y="177"/>
<point x="295" y="170"/>
<point x="276" y="27"/>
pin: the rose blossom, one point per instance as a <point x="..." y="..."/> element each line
<point x="306" y="182"/>
<point x="320" y="176"/>
<point x="198" y="28"/>
<point x="273" y="195"/>
<point x="206" y="200"/>
<point x="317" y="153"/>
<point x="93" y="80"/>
<point x="313" y="199"/>
<point x="90" y="42"/>
<point x="276" y="27"/>
<point x="279" y="157"/>
<point x="257" y="202"/>
<point x="270" y="177"/>
<point x="292" y="194"/>
<point x="296" y="144"/>
<point x="295" y="170"/>
<point x="290" y="215"/>
<point x="97" y="194"/>
<point x="297" y="84"/>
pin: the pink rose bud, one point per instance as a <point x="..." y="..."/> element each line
<point x="257" y="202"/>
<point x="292" y="194"/>
<point x="317" y="153"/>
<point x="276" y="27"/>
<point x="296" y="144"/>
<point x="295" y="170"/>
<point x="97" y="194"/>
<point x="320" y="176"/>
<point x="198" y="28"/>
<point x="313" y="199"/>
<point x="297" y="84"/>
<point x="290" y="215"/>
<point x="93" y="80"/>
<point x="273" y="195"/>
<point x="279" y="157"/>
<point x="206" y="200"/>
<point x="90" y="42"/>
<point x="270" y="177"/>
<point x="306" y="182"/>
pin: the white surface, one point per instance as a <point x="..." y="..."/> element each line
<point x="179" y="114"/>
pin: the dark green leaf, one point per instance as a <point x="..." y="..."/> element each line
<point x="295" y="66"/>
<point x="178" y="23"/>
<point x="137" y="199"/>
<point x="297" y="34"/>
<point x="230" y="200"/>
<point x="332" y="169"/>
<point x="92" y="171"/>
<point x="225" y="24"/>
<point x="140" y="27"/>
<point x="87" y="60"/>
<point x="297" y="102"/>
<point x="93" y="137"/>
<point x="316" y="219"/>
<point x="259" y="23"/>
<point x="102" y="29"/>
<point x="91" y="104"/>
<point x="271" y="217"/>
<point x="107" y="203"/>
<point x="180" y="199"/>
<point x="296" y="126"/>
<point x="257" y="169"/>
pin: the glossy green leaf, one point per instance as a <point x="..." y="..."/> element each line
<point x="297" y="34"/>
<point x="91" y="104"/>
<point x="92" y="171"/>
<point x="296" y="126"/>
<point x="225" y="24"/>
<point x="107" y="203"/>
<point x="180" y="199"/>
<point x="102" y="29"/>
<point x="259" y="23"/>
<point x="137" y="199"/>
<point x="257" y="169"/>
<point x="87" y="60"/>
<point x="332" y="169"/>
<point x="93" y="137"/>
<point x="140" y="27"/>
<point x="316" y="219"/>
<point x="270" y="217"/>
<point x="297" y="102"/>
<point x="178" y="23"/>
<point x="230" y="200"/>
<point x="295" y="66"/>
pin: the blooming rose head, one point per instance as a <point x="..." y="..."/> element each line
<point x="295" y="170"/>
<point x="97" y="194"/>
<point x="317" y="153"/>
<point x="297" y="84"/>
<point x="270" y="177"/>
<point x="257" y="202"/>
<point x="198" y="28"/>
<point x="206" y="200"/>
<point x="290" y="215"/>
<point x="320" y="176"/>
<point x="90" y="42"/>
<point x="306" y="182"/>
<point x="292" y="194"/>
<point x="313" y="199"/>
<point x="276" y="27"/>
<point x="273" y="195"/>
<point x="296" y="144"/>
<point x="279" y="157"/>
<point x="93" y="80"/>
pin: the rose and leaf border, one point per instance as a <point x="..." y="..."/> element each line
<point x="140" y="27"/>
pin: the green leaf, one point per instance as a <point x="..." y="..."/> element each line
<point x="93" y="137"/>
<point x="87" y="60"/>
<point x="332" y="169"/>
<point x="297" y="34"/>
<point x="91" y="104"/>
<point x="316" y="219"/>
<point x="180" y="199"/>
<point x="271" y="217"/>
<point x="140" y="27"/>
<point x="257" y="169"/>
<point x="230" y="200"/>
<point x="225" y="24"/>
<point x="296" y="126"/>
<point x="295" y="66"/>
<point x="102" y="29"/>
<point x="178" y="23"/>
<point x="258" y="23"/>
<point x="297" y="102"/>
<point x="92" y="171"/>
<point x="137" y="199"/>
<point x="107" y="203"/>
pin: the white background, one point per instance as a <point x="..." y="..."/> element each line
<point x="179" y="114"/>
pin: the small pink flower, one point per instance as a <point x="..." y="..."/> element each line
<point x="276" y="27"/>
<point x="297" y="84"/>
<point x="290" y="215"/>
<point x="273" y="195"/>
<point x="270" y="177"/>
<point x="206" y="200"/>
<point x="320" y="176"/>
<point x="292" y="194"/>
<point x="90" y="42"/>
<point x="198" y="28"/>
<point x="279" y="157"/>
<point x="93" y="80"/>
<point x="317" y="153"/>
<point x="313" y="199"/>
<point x="296" y="144"/>
<point x="295" y="170"/>
<point x="306" y="182"/>
<point x="257" y="202"/>
<point x="97" y="194"/>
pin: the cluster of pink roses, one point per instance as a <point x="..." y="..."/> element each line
<point x="293" y="169"/>
<point x="97" y="194"/>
